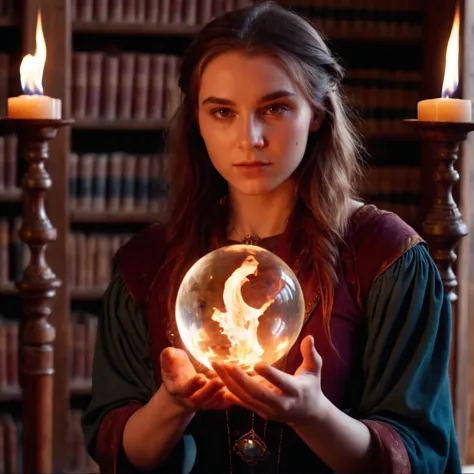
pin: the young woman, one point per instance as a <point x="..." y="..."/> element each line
<point x="264" y="153"/>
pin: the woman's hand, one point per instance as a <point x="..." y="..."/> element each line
<point x="276" y="395"/>
<point x="190" y="389"/>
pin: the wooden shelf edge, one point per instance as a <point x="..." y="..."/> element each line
<point x="80" y="387"/>
<point x="119" y="124"/>
<point x="6" y="22"/>
<point x="11" y="195"/>
<point x="335" y="33"/>
<point x="8" y="288"/>
<point x="10" y="394"/>
<point x="149" y="29"/>
<point x="110" y="217"/>
<point x="134" y="28"/>
<point x="94" y="293"/>
<point x="389" y="135"/>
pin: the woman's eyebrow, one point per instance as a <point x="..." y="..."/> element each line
<point x="266" y="98"/>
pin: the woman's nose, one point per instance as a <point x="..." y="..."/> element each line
<point x="251" y="134"/>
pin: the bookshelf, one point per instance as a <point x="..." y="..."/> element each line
<point x="388" y="48"/>
<point x="11" y="250"/>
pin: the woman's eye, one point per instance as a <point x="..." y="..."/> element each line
<point x="222" y="112"/>
<point x="275" y="109"/>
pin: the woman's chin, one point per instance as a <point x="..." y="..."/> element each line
<point x="255" y="187"/>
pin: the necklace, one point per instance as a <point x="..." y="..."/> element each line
<point x="250" y="447"/>
<point x="250" y="240"/>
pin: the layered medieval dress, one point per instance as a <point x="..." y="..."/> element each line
<point x="390" y="326"/>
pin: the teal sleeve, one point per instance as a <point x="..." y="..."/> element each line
<point x="405" y="362"/>
<point x="122" y="370"/>
<point x="123" y="373"/>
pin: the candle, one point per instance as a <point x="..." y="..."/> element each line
<point x="446" y="109"/>
<point x="33" y="104"/>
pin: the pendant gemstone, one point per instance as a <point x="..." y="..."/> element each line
<point x="250" y="240"/>
<point x="251" y="448"/>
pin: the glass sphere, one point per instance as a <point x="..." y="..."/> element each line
<point x="240" y="304"/>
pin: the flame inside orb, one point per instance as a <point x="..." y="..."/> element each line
<point x="240" y="304"/>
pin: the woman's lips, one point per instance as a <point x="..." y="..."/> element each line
<point x="252" y="164"/>
<point x="252" y="168"/>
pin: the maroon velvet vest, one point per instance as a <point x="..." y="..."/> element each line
<point x="375" y="240"/>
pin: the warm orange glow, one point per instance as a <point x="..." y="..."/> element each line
<point x="451" y="73"/>
<point x="32" y="66"/>
<point x="239" y="322"/>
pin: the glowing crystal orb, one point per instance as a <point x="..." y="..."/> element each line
<point x="239" y="304"/>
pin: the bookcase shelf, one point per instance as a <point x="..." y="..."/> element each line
<point x="115" y="217"/>
<point x="80" y="387"/>
<point x="119" y="125"/>
<point x="87" y="293"/>
<point x="10" y="195"/>
<point x="9" y="22"/>
<point x="147" y="29"/>
<point x="135" y="29"/>
<point x="10" y="394"/>
<point x="387" y="135"/>
<point x="349" y="35"/>
<point x="8" y="288"/>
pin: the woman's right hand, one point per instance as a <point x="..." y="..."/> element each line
<point x="187" y="387"/>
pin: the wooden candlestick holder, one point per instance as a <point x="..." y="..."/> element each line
<point x="37" y="286"/>
<point x="443" y="226"/>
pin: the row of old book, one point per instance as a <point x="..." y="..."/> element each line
<point x="82" y="336"/>
<point x="385" y="90"/>
<point x="180" y="12"/>
<point x="90" y="255"/>
<point x="124" y="85"/>
<point x="9" y="9"/>
<point x="79" y="461"/>
<point x="142" y="86"/>
<point x="83" y="333"/>
<point x="8" y="353"/>
<point x="14" y="254"/>
<point x="11" y="433"/>
<point x="383" y="98"/>
<point x="8" y="163"/>
<point x="363" y="15"/>
<point x="90" y="261"/>
<point x="393" y="188"/>
<point x="82" y="342"/>
<point x="118" y="182"/>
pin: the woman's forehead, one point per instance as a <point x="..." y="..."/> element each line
<point x="235" y="76"/>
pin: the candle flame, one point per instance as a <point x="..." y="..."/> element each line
<point x="239" y="323"/>
<point x="451" y="73"/>
<point x="32" y="67"/>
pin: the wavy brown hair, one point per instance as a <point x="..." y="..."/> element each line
<point x="197" y="221"/>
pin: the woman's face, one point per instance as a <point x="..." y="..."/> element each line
<point x="254" y="121"/>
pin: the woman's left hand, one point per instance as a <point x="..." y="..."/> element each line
<point x="276" y="395"/>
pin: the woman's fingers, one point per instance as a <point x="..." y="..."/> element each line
<point x="193" y="385"/>
<point x="285" y="382"/>
<point x="250" y="392"/>
<point x="205" y="393"/>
